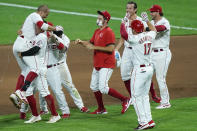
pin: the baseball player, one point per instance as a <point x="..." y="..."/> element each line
<point x="28" y="40"/>
<point x="55" y="46"/>
<point x="29" y="35"/>
<point x="102" y="42"/>
<point x="161" y="54"/>
<point x="66" y="78"/>
<point x="126" y="62"/>
<point x="142" y="69"/>
<point x="58" y="71"/>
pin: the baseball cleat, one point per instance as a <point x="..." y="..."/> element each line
<point x="98" y="111"/>
<point x="151" y="124"/>
<point x="22" y="115"/>
<point x="163" y="106"/>
<point x="33" y="119"/>
<point x="54" y="119"/>
<point x="44" y="112"/>
<point x="15" y="101"/>
<point x="21" y="96"/>
<point x="125" y="105"/>
<point x="65" y="116"/>
<point x="156" y="99"/>
<point x="142" y="127"/>
<point x="84" y="109"/>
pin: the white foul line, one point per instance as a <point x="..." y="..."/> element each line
<point x="81" y="14"/>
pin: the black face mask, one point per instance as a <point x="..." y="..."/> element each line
<point x="58" y="33"/>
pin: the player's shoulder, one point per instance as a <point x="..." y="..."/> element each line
<point x="109" y="30"/>
<point x="164" y="20"/>
<point x="34" y="14"/>
<point x="138" y="18"/>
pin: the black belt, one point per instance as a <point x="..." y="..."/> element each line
<point x="157" y="50"/>
<point x="49" y="66"/>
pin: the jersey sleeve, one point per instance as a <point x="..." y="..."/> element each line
<point x="167" y="24"/>
<point x="152" y="34"/>
<point x="110" y="38"/>
<point x="66" y="40"/>
<point x="36" y="18"/>
<point x="93" y="37"/>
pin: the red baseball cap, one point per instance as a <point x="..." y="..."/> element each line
<point x="156" y="8"/>
<point x="105" y="14"/>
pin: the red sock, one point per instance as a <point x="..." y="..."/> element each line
<point x="32" y="104"/>
<point x="114" y="93"/>
<point x="50" y="102"/>
<point x="98" y="96"/>
<point x="20" y="82"/>
<point x="31" y="76"/>
<point x="127" y="85"/>
<point x="152" y="90"/>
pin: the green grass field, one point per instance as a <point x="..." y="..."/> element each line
<point x="181" y="14"/>
<point x="180" y="117"/>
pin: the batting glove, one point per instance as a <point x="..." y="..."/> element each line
<point x="144" y="16"/>
<point x="118" y="58"/>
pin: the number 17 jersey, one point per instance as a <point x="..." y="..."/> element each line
<point x="141" y="47"/>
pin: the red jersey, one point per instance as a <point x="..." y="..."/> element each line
<point x="103" y="38"/>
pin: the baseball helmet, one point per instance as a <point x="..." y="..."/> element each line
<point x="137" y="26"/>
<point x="60" y="30"/>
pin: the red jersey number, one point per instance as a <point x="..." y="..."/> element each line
<point x="147" y="47"/>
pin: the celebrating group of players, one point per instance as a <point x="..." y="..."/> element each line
<point x="40" y="51"/>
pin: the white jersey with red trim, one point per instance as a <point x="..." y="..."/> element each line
<point x="129" y="30"/>
<point x="141" y="46"/>
<point x="162" y="39"/>
<point x="54" y="54"/>
<point x="29" y="26"/>
<point x="66" y="42"/>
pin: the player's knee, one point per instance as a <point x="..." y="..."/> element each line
<point x="104" y="90"/>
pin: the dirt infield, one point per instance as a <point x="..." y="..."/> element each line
<point x="181" y="78"/>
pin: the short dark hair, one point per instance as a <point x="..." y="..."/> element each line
<point x="43" y="8"/>
<point x="132" y="2"/>
<point x="161" y="14"/>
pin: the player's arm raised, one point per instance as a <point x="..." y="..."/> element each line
<point x="145" y="18"/>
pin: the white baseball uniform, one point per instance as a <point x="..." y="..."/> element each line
<point x="53" y="78"/>
<point x="127" y="56"/>
<point x="39" y="64"/>
<point x="66" y="78"/>
<point x="161" y="57"/>
<point x="63" y="74"/>
<point x="27" y="40"/>
<point x="142" y="74"/>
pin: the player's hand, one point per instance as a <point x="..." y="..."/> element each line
<point x="19" y="54"/>
<point x="144" y="16"/>
<point x="19" y="32"/>
<point x="126" y="18"/>
<point x="78" y="41"/>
